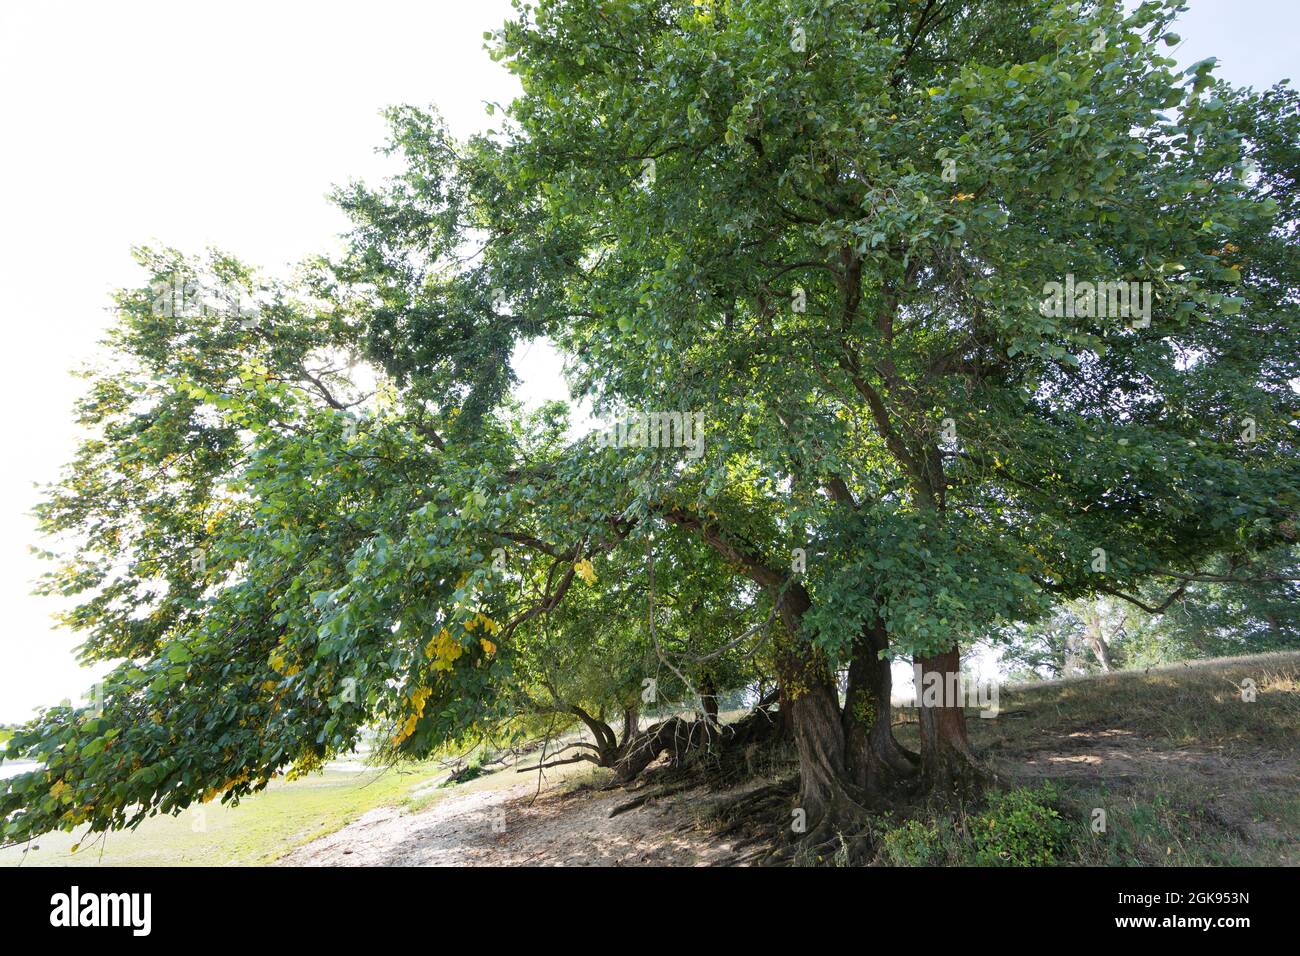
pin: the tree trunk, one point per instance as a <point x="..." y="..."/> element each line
<point x="709" y="700"/>
<point x="811" y="701"/>
<point x="814" y="708"/>
<point x="1098" y="641"/>
<point x="603" y="733"/>
<point x="949" y="767"/>
<point x="808" y="694"/>
<point x="642" y="749"/>
<point x="631" y="724"/>
<point x="875" y="759"/>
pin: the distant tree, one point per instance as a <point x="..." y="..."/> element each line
<point x="1240" y="607"/>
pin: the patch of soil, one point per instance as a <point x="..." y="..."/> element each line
<point x="508" y="827"/>
<point x="1124" y="761"/>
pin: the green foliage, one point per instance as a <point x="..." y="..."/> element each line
<point x="1020" y="828"/>
<point x="290" y="531"/>
<point x="1242" y="606"/>
<point x="255" y="833"/>
<point x="1254" y="609"/>
<point x="917" y="843"/>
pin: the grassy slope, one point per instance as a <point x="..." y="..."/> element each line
<point x="261" y="828"/>
<point x="1187" y="771"/>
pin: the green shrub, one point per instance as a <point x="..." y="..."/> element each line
<point x="914" y="843"/>
<point x="1020" y="828"/>
<point x="1017" y="828"/>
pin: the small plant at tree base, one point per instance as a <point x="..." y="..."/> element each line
<point x="1020" y="828"/>
<point x="917" y="843"/>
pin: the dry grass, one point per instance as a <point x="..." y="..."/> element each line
<point x="1187" y="771"/>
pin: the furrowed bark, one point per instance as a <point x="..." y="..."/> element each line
<point x="876" y="761"/>
<point x="810" y="698"/>
<point x="949" y="766"/>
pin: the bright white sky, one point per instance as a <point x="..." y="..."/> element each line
<point x="225" y="124"/>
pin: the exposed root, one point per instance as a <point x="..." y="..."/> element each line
<point x="842" y="835"/>
<point x="645" y="798"/>
<point x="759" y="820"/>
<point x="767" y="803"/>
<point x="957" y="778"/>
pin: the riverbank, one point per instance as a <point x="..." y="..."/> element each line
<point x="258" y="831"/>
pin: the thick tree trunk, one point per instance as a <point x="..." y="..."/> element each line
<point x="810" y="700"/>
<point x="673" y="735"/>
<point x="876" y="761"/>
<point x="813" y="705"/>
<point x="1098" y="641"/>
<point x="949" y="767"/>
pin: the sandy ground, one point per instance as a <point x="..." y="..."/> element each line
<point x="514" y="825"/>
<point x="507" y="827"/>
<point x="506" y="822"/>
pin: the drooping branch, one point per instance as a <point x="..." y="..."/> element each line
<point x="1230" y="579"/>
<point x="1139" y="603"/>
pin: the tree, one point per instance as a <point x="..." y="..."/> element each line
<point x="1077" y="637"/>
<point x="1236" y="607"/>
<point x="765" y="201"/>
<point x="831" y="230"/>
<point x="1241" y="608"/>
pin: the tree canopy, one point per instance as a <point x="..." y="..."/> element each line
<point x="829" y="229"/>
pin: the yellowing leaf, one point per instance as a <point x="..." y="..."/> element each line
<point x="443" y="650"/>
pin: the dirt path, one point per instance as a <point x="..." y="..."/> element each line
<point x="506" y="827"/>
<point x="1122" y="762"/>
